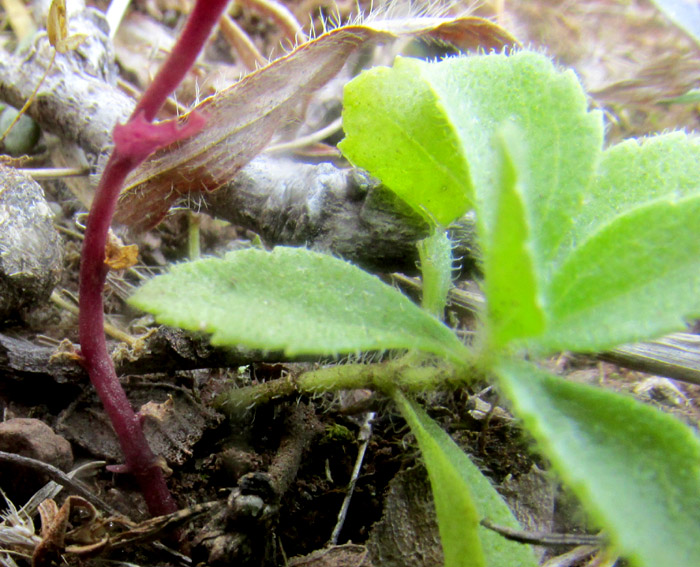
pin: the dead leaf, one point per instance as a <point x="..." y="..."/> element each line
<point x="173" y="422"/>
<point x="19" y="17"/>
<point x="57" y="29"/>
<point x="242" y="119"/>
<point x="95" y="534"/>
<point x="54" y="524"/>
<point x="118" y="256"/>
<point x="347" y="555"/>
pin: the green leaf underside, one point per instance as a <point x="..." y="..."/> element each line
<point x="564" y="140"/>
<point x="462" y="497"/>
<point x="294" y="300"/>
<point x="513" y="307"/>
<point x="396" y="129"/>
<point x="634" y="279"/>
<point x="635" y="469"/>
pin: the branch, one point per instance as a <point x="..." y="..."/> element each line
<point x="167" y="350"/>
<point x="78" y="101"/>
<point x="57" y="476"/>
<point x="286" y="202"/>
<point x="330" y="209"/>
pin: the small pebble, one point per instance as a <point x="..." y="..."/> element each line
<point x="23" y="136"/>
<point x="30" y="438"/>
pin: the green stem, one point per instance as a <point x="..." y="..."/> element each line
<point x="435" y="254"/>
<point x="410" y="373"/>
<point x="193" y="248"/>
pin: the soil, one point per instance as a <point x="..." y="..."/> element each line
<point x="277" y="475"/>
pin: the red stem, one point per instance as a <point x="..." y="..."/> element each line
<point x="183" y="56"/>
<point x="133" y="144"/>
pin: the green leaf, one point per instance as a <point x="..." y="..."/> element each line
<point x="528" y="195"/>
<point x="634" y="273"/>
<point x="634" y="279"/>
<point x="635" y="469"/>
<point x="690" y="97"/>
<point x="396" y="129"/>
<point x="562" y="140"/>
<point x="462" y="497"/>
<point x="636" y="172"/>
<point x="294" y="300"/>
<point x="514" y="309"/>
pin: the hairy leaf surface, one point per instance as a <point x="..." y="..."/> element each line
<point x="463" y="496"/>
<point x="562" y="139"/>
<point x="636" y="278"/>
<point x="514" y="309"/>
<point x="635" y="469"/>
<point x="294" y="300"/>
<point x="397" y="129"/>
<point x="433" y="132"/>
<point x="636" y="172"/>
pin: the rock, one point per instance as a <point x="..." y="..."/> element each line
<point x="23" y="136"/>
<point x="30" y="438"/>
<point x="30" y="247"/>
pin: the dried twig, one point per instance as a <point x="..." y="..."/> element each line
<point x="301" y="426"/>
<point x="78" y="100"/>
<point x="544" y="538"/>
<point x="571" y="557"/>
<point x="58" y="476"/>
<point x="364" y="437"/>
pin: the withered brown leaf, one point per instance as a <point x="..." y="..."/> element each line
<point x="242" y="119"/>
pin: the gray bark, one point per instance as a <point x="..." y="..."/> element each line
<point x="78" y="100"/>
<point x="168" y="350"/>
<point x="321" y="206"/>
<point x="342" y="211"/>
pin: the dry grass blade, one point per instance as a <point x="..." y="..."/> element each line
<point x="16" y="529"/>
<point x="19" y="17"/>
<point x="242" y="119"/>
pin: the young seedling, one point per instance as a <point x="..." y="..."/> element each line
<point x="250" y="126"/>
<point x="583" y="248"/>
<point x="133" y="143"/>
